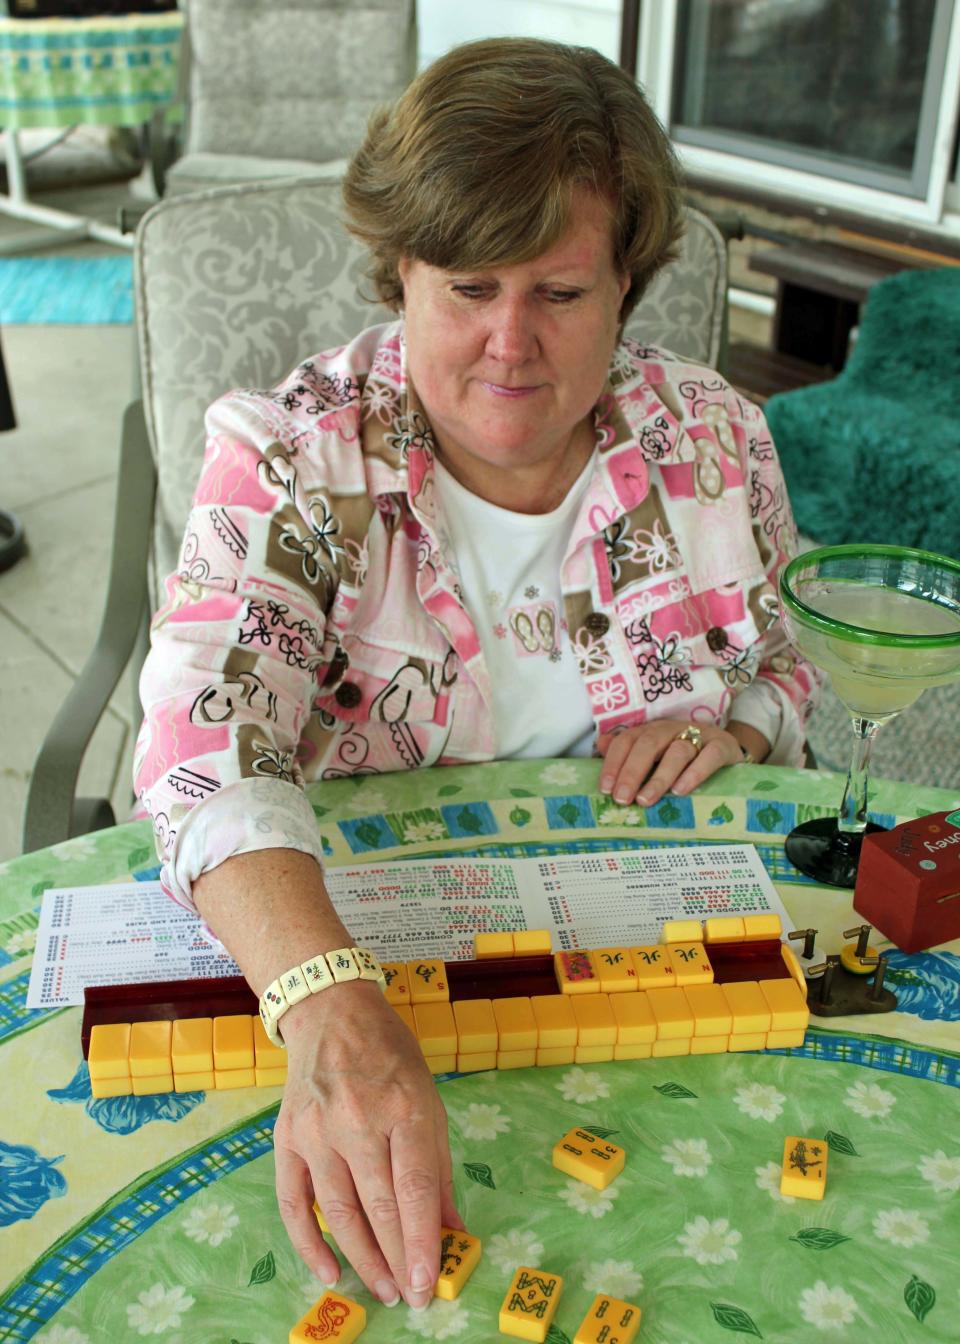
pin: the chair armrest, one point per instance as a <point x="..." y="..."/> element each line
<point x="51" y="814"/>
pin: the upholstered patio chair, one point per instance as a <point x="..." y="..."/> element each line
<point x="233" y="287"/>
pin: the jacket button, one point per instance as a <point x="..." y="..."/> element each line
<point x="717" y="639"/>
<point x="596" y="623"/>
<point x="348" y="695"/>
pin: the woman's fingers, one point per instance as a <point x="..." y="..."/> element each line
<point x="642" y="764"/>
<point x="358" y="1200"/>
<point x="295" y="1202"/>
<point x="626" y="763"/>
<point x="416" y="1179"/>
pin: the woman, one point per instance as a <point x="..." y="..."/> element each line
<point x="484" y="531"/>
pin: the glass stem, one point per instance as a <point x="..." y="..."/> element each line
<point x="853" y="809"/>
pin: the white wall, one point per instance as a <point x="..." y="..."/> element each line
<point x="585" y="23"/>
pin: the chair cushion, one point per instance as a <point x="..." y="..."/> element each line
<point x="682" y="309"/>
<point x="198" y="172"/>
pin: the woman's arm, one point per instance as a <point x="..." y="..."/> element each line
<point x="361" y="1127"/>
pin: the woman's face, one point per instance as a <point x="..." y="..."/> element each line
<point x="508" y="362"/>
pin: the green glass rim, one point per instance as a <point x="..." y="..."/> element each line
<point x="857" y="633"/>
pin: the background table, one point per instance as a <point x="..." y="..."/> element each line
<point x="113" y="71"/>
<point x="136" y="1217"/>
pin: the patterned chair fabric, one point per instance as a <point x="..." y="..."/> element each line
<point x="235" y="286"/>
<point x="276" y="87"/>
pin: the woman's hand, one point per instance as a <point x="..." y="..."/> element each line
<point x="630" y="755"/>
<point x="363" y="1129"/>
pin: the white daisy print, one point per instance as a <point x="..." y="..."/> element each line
<point x="709" y="1243"/>
<point x="618" y="1278"/>
<point x="941" y="1171"/>
<point x="759" y="1100"/>
<point x="23" y="941"/>
<point x="211" y="1222"/>
<point x="158" y="1309"/>
<point x="584" y="1199"/>
<point x="444" y="1320"/>
<point x="869" y="1100"/>
<point x="559" y="773"/>
<point x="620" y="816"/>
<point x="64" y="1334"/>
<point x="583" y="1085"/>
<point x="67" y="850"/>
<point x="768" y="1178"/>
<point x="482" y="1122"/>
<point x="423" y="830"/>
<point x="688" y="1157"/>
<point x="516" y="1247"/>
<point x="827" y="1308"/>
<point x="901" y="1227"/>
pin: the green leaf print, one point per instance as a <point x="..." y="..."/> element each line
<point x="481" y="1173"/>
<point x="448" y="789"/>
<point x="521" y="793"/>
<point x="319" y="811"/>
<point x="721" y="815"/>
<point x="600" y="1132"/>
<point x="769" y="817"/>
<point x="765" y="786"/>
<point x="919" y="1297"/>
<point x="469" y="821"/>
<point x="557" y="1336"/>
<point x="568" y="812"/>
<point x="39" y="888"/>
<point x="519" y="816"/>
<point x="819" y="1238"/>
<point x="264" y="1270"/>
<point x="733" y="1318"/>
<point x="138" y="857"/>
<point x="668" y="812"/>
<point x="368" y="833"/>
<point x="839" y="1143"/>
<point x="675" y="1091"/>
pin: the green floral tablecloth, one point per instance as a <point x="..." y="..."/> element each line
<point x="112" y="71"/>
<point x="131" y="1218"/>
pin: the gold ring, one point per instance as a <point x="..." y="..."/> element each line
<point x="692" y="735"/>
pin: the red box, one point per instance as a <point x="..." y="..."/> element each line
<point x="908" y="881"/>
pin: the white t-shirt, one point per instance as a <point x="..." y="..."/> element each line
<point x="509" y="571"/>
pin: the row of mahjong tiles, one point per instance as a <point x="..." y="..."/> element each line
<point x="603" y="1011"/>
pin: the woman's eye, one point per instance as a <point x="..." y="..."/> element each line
<point x="468" y="291"/>
<point x="563" y="295"/>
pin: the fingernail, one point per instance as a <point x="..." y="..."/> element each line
<point x="643" y="799"/>
<point x="606" y="783"/>
<point x="420" y="1278"/>
<point x="387" y="1292"/>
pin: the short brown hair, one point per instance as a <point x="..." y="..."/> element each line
<point x="476" y="163"/>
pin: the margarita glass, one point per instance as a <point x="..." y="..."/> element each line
<point x="884" y="623"/>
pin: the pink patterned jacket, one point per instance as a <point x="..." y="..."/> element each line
<point x="314" y="628"/>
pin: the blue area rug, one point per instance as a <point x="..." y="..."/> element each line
<point x="66" y="290"/>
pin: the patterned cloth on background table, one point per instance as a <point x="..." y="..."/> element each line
<point x="106" y="72"/>
<point x="155" y="1217"/>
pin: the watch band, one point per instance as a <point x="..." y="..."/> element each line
<point x="748" y="757"/>
<point x="310" y="977"/>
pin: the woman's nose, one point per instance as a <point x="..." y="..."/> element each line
<point x="512" y="337"/>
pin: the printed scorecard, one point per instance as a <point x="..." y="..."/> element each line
<point x="132" y="933"/>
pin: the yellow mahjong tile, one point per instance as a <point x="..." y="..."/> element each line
<point x="653" y="966"/>
<point x="108" y="1053"/>
<point x="436" y="1028"/>
<point x="441" y="1063"/>
<point x="556" y="1023"/>
<point x="672" y="1013"/>
<point x="191" y="1044"/>
<point x="111" y="1087"/>
<point x="550" y="1055"/>
<point x="532" y="943"/>
<point x="476" y="1062"/>
<point x="486" y="945"/>
<point x="681" y="931"/>
<point x="266" y="1055"/>
<point x="321" y="1221"/>
<point x="227" y="1079"/>
<point x="149" y="1053"/>
<point x="476" y="1026"/>
<point x="794" y="969"/>
<point x="596" y="1024"/>
<point x="516" y="1024"/>
<point x="459" y="1257"/>
<point x="333" y="1318"/>
<point x="233" y="1042"/>
<point x="531" y="1302"/>
<point x="270" y="1077"/>
<point x="428" y="981"/>
<point x="759" y="927"/>
<point x="148" y="1087"/>
<point x="788" y="1005"/>
<point x="636" y="1024"/>
<point x="643" y="1050"/>
<point x="804" y="1170"/>
<point x="749" y="1010"/>
<point x="665" y="1049"/>
<point x="614" y="965"/>
<point x="592" y="1054"/>
<point x="576" y="973"/>
<point x="398" y="983"/>
<point x="516" y="1059"/>
<point x="711" y="1012"/>
<point x="708" y="1045"/>
<point x="202" y="1081"/>
<point x="723" y="929"/>
<point x="785" y="1040"/>
<point x="691" y="963"/>
<point x="587" y="1158"/>
<point x="746" y="1040"/>
<point x="609" y="1321"/>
